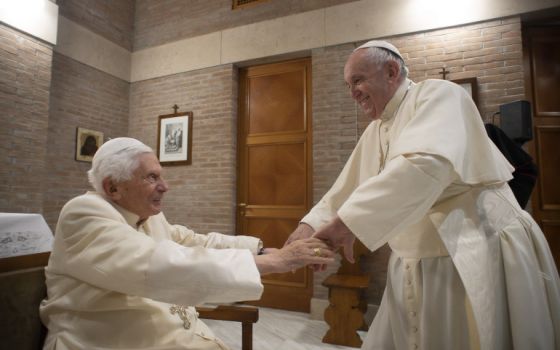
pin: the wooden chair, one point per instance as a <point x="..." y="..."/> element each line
<point x="247" y="315"/>
<point x="22" y="287"/>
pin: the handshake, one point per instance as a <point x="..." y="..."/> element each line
<point x="307" y="247"/>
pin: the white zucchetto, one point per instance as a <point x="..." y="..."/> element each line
<point x="115" y="145"/>
<point x="382" y="44"/>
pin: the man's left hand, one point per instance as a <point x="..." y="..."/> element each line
<point x="336" y="234"/>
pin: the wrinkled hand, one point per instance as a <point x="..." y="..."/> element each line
<point x="301" y="232"/>
<point x="338" y="235"/>
<point x="295" y="255"/>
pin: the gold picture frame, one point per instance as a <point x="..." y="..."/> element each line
<point x="471" y="86"/>
<point x="87" y="143"/>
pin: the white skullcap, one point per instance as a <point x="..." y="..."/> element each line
<point x="116" y="145"/>
<point x="382" y="44"/>
<point x="116" y="159"/>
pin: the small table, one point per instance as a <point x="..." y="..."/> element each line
<point x="345" y="314"/>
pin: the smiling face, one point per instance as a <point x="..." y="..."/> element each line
<point x="143" y="194"/>
<point x="372" y="85"/>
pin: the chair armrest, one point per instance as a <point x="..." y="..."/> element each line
<point x="244" y="314"/>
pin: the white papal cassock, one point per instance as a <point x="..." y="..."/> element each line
<point x="113" y="285"/>
<point x="469" y="268"/>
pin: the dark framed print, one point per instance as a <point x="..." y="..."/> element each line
<point x="175" y="138"/>
<point x="87" y="143"/>
<point x="471" y="86"/>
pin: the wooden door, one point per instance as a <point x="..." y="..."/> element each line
<point x="542" y="62"/>
<point x="274" y="174"/>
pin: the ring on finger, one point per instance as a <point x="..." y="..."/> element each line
<point x="317" y="251"/>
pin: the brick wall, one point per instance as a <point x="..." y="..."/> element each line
<point x="81" y="96"/>
<point x="202" y="194"/>
<point x="159" y="22"/>
<point x="113" y="20"/>
<point x="490" y="51"/>
<point x="25" y="76"/>
<point x="335" y="131"/>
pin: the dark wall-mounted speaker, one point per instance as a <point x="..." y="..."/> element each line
<point x="515" y="121"/>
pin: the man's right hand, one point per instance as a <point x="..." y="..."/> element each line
<point x="303" y="231"/>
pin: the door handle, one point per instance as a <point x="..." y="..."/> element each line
<point x="242" y="207"/>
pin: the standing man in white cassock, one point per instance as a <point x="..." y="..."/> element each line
<point x="469" y="268"/>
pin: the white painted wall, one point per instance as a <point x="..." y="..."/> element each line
<point x="38" y="18"/>
<point x="87" y="47"/>
<point x="349" y="22"/>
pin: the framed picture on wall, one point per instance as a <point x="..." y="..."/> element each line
<point x="471" y="86"/>
<point x="175" y="138"/>
<point x="87" y="143"/>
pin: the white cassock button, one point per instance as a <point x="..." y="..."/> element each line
<point x="386" y="129"/>
<point x="412" y="313"/>
<point x="409" y="282"/>
<point x="414" y="329"/>
<point x="407" y="266"/>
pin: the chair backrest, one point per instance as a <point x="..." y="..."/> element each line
<point x="21" y="292"/>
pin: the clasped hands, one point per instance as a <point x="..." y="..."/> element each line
<point x="299" y="253"/>
<point x="306" y="247"/>
<point x="335" y="235"/>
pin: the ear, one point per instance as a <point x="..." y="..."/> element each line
<point x="110" y="189"/>
<point x="393" y="70"/>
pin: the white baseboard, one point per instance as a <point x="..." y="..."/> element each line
<point x="318" y="307"/>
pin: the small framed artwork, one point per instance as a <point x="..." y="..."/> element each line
<point x="471" y="85"/>
<point x="87" y="143"/>
<point x="175" y="138"/>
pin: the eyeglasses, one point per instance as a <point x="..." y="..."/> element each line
<point x="153" y="179"/>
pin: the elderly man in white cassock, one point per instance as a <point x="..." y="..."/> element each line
<point x="121" y="277"/>
<point x="469" y="268"/>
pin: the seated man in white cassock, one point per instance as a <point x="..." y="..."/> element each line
<point x="121" y="277"/>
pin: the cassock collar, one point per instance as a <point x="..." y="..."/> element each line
<point x="132" y="219"/>
<point x="395" y="101"/>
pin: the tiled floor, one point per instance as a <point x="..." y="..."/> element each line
<point x="277" y="330"/>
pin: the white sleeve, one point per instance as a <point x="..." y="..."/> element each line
<point x="400" y="196"/>
<point x="196" y="275"/>
<point x="189" y="238"/>
<point x="94" y="245"/>
<point x="319" y="215"/>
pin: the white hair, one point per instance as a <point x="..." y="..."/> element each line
<point x="116" y="159"/>
<point x="380" y="56"/>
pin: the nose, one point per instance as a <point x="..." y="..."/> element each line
<point x="162" y="186"/>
